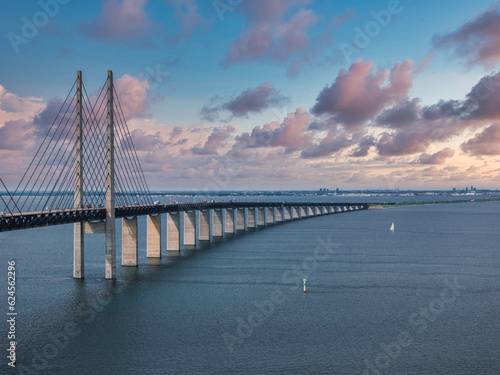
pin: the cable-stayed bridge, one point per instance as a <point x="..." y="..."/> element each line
<point x="86" y="171"/>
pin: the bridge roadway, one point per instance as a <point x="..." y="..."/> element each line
<point x="17" y="221"/>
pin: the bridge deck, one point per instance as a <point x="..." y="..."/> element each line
<point x="17" y="221"/>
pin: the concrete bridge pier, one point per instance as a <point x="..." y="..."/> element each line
<point x="173" y="231"/>
<point x="295" y="213"/>
<point x="251" y="218"/>
<point x="301" y="212"/>
<point x="270" y="215"/>
<point x="204" y="225"/>
<point x="278" y="218"/>
<point x="288" y="213"/>
<point x="311" y="211"/>
<point x="189" y="228"/>
<point x="78" y="251"/>
<point x="217" y="223"/>
<point x="130" y="243"/>
<point x="229" y="226"/>
<point x="261" y="217"/>
<point x="240" y="219"/>
<point x="153" y="249"/>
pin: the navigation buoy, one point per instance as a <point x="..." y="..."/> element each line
<point x="304" y="284"/>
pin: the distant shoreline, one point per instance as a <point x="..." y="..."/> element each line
<point x="382" y="206"/>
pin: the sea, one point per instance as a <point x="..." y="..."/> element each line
<point x="422" y="299"/>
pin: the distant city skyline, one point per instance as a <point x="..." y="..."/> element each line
<point x="268" y="94"/>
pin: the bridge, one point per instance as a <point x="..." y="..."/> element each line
<point x="86" y="172"/>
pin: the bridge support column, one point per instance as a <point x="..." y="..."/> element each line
<point x="189" y="228"/>
<point x="173" y="231"/>
<point x="303" y="212"/>
<point x="261" y="219"/>
<point x="295" y="213"/>
<point x="204" y="234"/>
<point x="78" y="252"/>
<point x="217" y="223"/>
<point x="251" y="222"/>
<point x="130" y="245"/>
<point x="153" y="249"/>
<point x="311" y="211"/>
<point x="229" y="223"/>
<point x="288" y="213"/>
<point x="240" y="219"/>
<point x="331" y="209"/>
<point x="279" y="215"/>
<point x="270" y="215"/>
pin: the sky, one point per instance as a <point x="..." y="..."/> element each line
<point x="268" y="94"/>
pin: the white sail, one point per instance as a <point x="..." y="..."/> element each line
<point x="392" y="227"/>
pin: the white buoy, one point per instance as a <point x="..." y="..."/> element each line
<point x="304" y="284"/>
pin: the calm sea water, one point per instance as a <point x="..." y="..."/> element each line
<point x="424" y="299"/>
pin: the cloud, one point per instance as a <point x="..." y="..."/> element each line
<point x="133" y="94"/>
<point x="12" y="103"/>
<point x="267" y="35"/>
<point x="485" y="143"/>
<point x="145" y="142"/>
<point x="186" y="13"/>
<point x="483" y="100"/>
<point x="404" y="113"/>
<point x="120" y="20"/>
<point x="333" y="142"/>
<point x="359" y="94"/>
<point x="215" y="141"/>
<point x="252" y="100"/>
<point x="282" y="31"/>
<point x="436" y="158"/>
<point x="14" y="135"/>
<point x="292" y="134"/>
<point x="310" y="53"/>
<point x="423" y="64"/>
<point x="477" y="41"/>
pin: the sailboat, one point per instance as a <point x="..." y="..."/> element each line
<point x="392" y="227"/>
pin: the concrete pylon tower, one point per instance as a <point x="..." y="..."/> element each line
<point x="78" y="243"/>
<point x="110" y="186"/>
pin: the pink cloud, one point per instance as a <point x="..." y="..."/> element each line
<point x="436" y="158"/>
<point x="133" y="94"/>
<point x="359" y="94"/>
<point x="292" y="133"/>
<point x="485" y="143"/>
<point x="120" y="20"/>
<point x="423" y="64"/>
<point x="477" y="41"/>
<point x="217" y="140"/>
<point x="278" y="31"/>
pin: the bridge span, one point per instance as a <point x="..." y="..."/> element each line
<point x="87" y="173"/>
